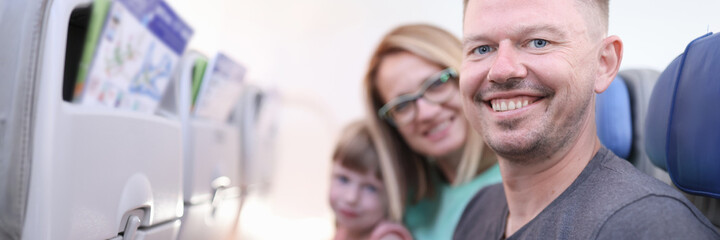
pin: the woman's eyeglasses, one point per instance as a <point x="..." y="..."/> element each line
<point x="436" y="89"/>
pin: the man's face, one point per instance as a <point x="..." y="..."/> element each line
<point x="527" y="75"/>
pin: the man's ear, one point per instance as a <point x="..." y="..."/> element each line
<point x="611" y="52"/>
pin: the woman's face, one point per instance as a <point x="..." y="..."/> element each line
<point x="358" y="200"/>
<point x="437" y="130"/>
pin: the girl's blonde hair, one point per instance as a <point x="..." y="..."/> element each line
<point x="355" y="150"/>
<point x="439" y="47"/>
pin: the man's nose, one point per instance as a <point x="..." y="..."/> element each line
<point x="507" y="64"/>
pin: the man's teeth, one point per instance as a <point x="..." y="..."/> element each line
<point x="501" y="105"/>
<point x="439" y="127"/>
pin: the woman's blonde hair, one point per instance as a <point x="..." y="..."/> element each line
<point x="439" y="47"/>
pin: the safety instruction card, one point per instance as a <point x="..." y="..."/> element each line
<point x="220" y="88"/>
<point x="137" y="50"/>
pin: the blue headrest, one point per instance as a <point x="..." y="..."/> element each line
<point x="683" y="121"/>
<point x="614" y="119"/>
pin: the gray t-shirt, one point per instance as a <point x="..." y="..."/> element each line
<point x="610" y="199"/>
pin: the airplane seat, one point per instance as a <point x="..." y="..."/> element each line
<point x="253" y="99"/>
<point x="620" y="117"/>
<point x="212" y="190"/>
<point x="69" y="171"/>
<point x="16" y="108"/>
<point x="640" y="83"/>
<point x="612" y="115"/>
<point x="681" y="125"/>
<point x="259" y="108"/>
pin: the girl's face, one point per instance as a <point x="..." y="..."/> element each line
<point x="437" y="129"/>
<point x="358" y="200"/>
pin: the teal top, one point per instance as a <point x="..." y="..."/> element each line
<point x="436" y="218"/>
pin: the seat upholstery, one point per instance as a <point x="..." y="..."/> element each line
<point x="612" y="115"/>
<point x="686" y="118"/>
<point x="657" y="120"/>
<point x="21" y="22"/>
<point x="682" y="123"/>
<point x="640" y="83"/>
<point x="620" y="116"/>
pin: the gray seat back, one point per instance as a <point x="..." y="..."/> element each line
<point x="640" y="83"/>
<point x="21" y="22"/>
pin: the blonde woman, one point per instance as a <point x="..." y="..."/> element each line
<point x="440" y="163"/>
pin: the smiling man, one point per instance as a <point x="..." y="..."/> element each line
<point x="530" y="72"/>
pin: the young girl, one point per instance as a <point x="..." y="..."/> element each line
<point x="357" y="191"/>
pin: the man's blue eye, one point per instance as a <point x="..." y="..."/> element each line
<point x="539" y="43"/>
<point x="482" y="50"/>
